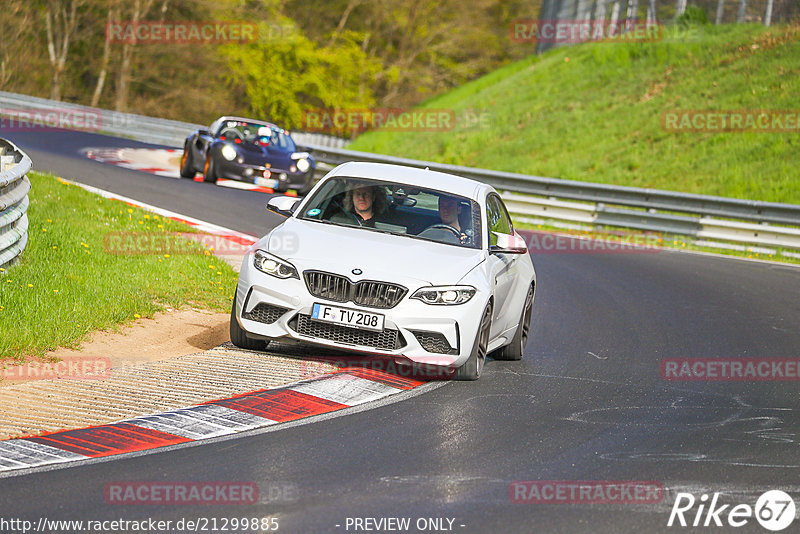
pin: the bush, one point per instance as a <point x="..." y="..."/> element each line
<point x="693" y="16"/>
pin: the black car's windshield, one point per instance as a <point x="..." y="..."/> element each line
<point x="256" y="133"/>
<point x="397" y="209"/>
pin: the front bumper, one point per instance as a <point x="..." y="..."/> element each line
<point x="270" y="308"/>
<point x="254" y="174"/>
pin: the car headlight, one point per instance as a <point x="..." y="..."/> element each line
<point x="273" y="265"/>
<point x="444" y="295"/>
<point x="228" y="152"/>
<point x="303" y="165"/>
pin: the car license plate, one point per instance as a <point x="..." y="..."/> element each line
<point x="265" y="182"/>
<point x="347" y="317"/>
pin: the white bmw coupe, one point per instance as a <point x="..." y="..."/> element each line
<point x="420" y="267"/>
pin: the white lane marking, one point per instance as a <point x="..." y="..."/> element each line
<point x="204" y="421"/>
<point x="18" y="453"/>
<point x="211" y="228"/>
<point x="346" y="389"/>
<point x="161" y="162"/>
<point x="152" y="160"/>
<point x="235" y="184"/>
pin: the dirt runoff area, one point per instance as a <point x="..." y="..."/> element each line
<point x="177" y="359"/>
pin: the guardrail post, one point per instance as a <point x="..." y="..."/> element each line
<point x="14" y="188"/>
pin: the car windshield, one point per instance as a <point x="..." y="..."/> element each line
<point x="398" y="209"/>
<point x="256" y="133"/>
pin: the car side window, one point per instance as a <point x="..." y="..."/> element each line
<point x="497" y="219"/>
<point x="506" y="216"/>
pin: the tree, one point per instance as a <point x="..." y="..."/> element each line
<point x="112" y="15"/>
<point x="633" y="12"/>
<point x="138" y="12"/>
<point x="61" y="20"/>
<point x="680" y="8"/>
<point x="424" y="47"/>
<point x="740" y="15"/>
<point x="720" y="10"/>
<point x="283" y="78"/>
<point x="615" y="14"/>
<point x="768" y="14"/>
<point x="652" y="18"/>
<point x="599" y="18"/>
<point x="16" y="20"/>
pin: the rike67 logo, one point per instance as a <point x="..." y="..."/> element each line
<point x="774" y="510"/>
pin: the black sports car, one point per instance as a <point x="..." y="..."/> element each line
<point x="248" y="150"/>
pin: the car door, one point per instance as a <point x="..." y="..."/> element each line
<point x="503" y="267"/>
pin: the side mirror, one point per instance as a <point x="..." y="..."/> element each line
<point x="509" y="244"/>
<point x="202" y="131"/>
<point x="283" y="205"/>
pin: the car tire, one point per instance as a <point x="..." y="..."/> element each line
<point x="239" y="336"/>
<point x="209" y="171"/>
<point x="187" y="169"/>
<point x="472" y="368"/>
<point x="516" y="349"/>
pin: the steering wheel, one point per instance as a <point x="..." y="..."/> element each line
<point x="443" y="227"/>
<point x="231" y="132"/>
<point x="456" y="237"/>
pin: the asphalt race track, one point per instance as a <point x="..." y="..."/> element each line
<point x="588" y="402"/>
<point x="60" y="153"/>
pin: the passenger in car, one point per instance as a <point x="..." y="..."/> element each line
<point x="364" y="205"/>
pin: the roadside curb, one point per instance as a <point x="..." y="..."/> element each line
<point x="345" y="388"/>
<point x="157" y="161"/>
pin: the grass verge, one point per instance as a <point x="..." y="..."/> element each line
<point x="68" y="285"/>
<point x="593" y="112"/>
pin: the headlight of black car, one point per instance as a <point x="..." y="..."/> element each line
<point x="228" y="152"/>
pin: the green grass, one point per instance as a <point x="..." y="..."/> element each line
<point x="67" y="285"/>
<point x="593" y="113"/>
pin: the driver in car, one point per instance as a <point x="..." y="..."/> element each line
<point x="364" y="204"/>
<point x="449" y="211"/>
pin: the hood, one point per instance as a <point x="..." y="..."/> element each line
<point x="255" y="152"/>
<point x="404" y="260"/>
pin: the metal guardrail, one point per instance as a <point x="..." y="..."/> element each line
<point x="137" y="127"/>
<point x="648" y="199"/>
<point x="610" y="205"/>
<point x="547" y="198"/>
<point x="14" y="188"/>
